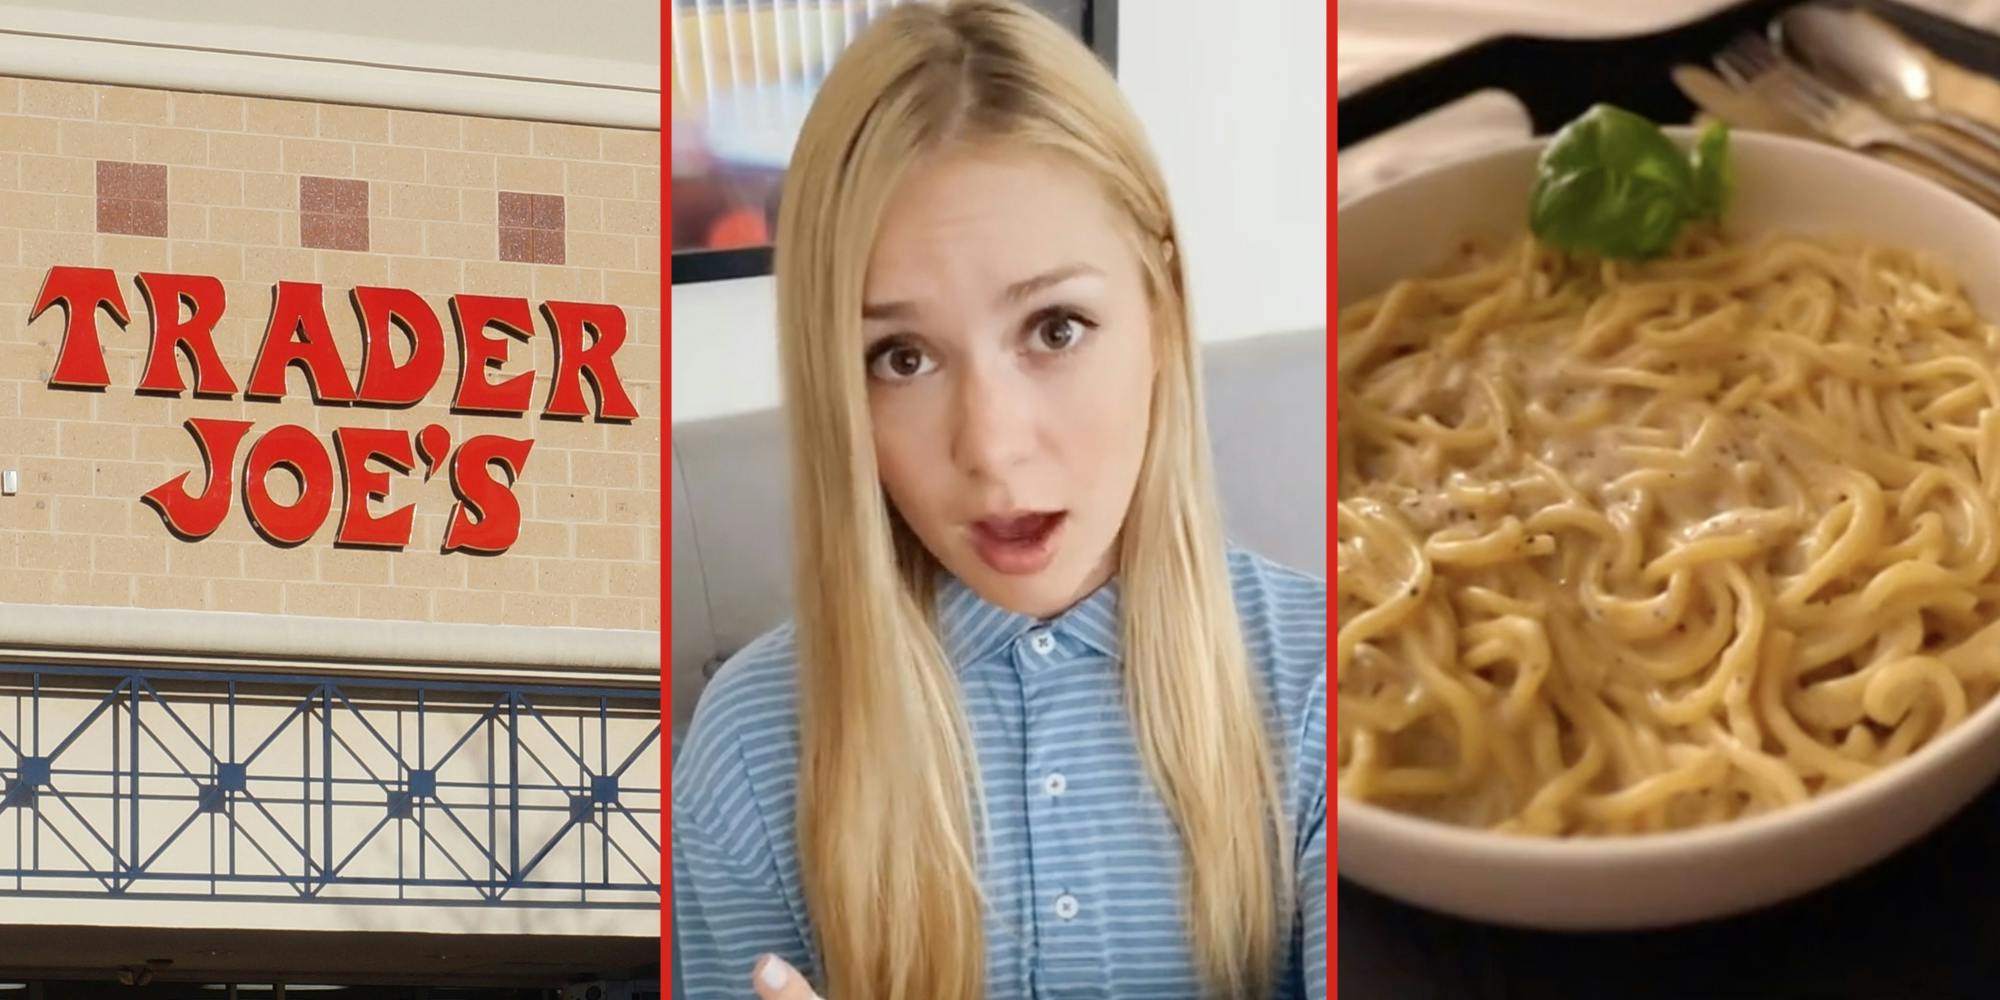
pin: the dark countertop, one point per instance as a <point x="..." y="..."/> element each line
<point x="1925" y="923"/>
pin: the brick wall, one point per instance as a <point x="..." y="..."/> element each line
<point x="256" y="191"/>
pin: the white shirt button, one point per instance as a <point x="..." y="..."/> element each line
<point x="1042" y="643"/>
<point x="1055" y="784"/>
<point x="1066" y="906"/>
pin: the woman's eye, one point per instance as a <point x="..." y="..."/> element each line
<point x="1057" y="332"/>
<point x="898" y="362"/>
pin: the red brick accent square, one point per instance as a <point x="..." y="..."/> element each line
<point x="532" y="227"/>
<point x="131" y="198"/>
<point x="333" y="213"/>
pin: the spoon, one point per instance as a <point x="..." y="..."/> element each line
<point x="1869" y="59"/>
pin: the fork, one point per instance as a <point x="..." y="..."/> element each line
<point x="1750" y="64"/>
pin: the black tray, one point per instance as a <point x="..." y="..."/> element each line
<point x="1557" y="79"/>
<point x="1924" y="923"/>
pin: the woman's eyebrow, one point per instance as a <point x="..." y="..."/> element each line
<point x="1014" y="293"/>
<point x="1054" y="276"/>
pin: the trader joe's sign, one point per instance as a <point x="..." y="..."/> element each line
<point x="183" y="311"/>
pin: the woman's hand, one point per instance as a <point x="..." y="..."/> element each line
<point x="775" y="980"/>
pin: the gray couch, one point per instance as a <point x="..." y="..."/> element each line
<point x="1267" y="418"/>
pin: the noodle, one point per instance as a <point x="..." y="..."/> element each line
<point x="1638" y="547"/>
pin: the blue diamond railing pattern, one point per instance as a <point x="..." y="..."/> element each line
<point x="192" y="784"/>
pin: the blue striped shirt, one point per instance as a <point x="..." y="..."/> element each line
<point x="1083" y="875"/>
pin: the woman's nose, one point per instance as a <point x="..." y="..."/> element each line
<point x="995" y="415"/>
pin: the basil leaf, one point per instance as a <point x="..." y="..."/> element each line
<point x="1714" y="181"/>
<point x="1612" y="184"/>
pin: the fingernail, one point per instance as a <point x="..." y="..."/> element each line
<point x="772" y="972"/>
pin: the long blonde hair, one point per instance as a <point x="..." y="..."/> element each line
<point x="888" y="779"/>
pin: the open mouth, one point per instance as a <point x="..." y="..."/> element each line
<point x="1018" y="543"/>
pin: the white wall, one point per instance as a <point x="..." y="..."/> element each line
<point x="1234" y="98"/>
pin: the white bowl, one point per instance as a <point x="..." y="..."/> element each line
<point x="1653" y="880"/>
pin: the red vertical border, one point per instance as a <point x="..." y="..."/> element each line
<point x="1333" y="474"/>
<point x="667" y="18"/>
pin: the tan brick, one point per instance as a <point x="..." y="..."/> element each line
<point x="45" y="249"/>
<point x="128" y="479"/>
<point x="464" y="241"/>
<point x="506" y="572"/>
<point x="425" y="274"/>
<point x="253" y="596"/>
<point x="569" y="503"/>
<point x="569" y="434"/>
<point x="174" y="146"/>
<point x="280" y="191"/>
<point x="569" y="142"/>
<point x="632" y="218"/>
<point x="255" y="226"/>
<point x="59" y="212"/>
<point x="635" y="578"/>
<point x="24" y="513"/>
<point x="10" y="399"/>
<point x="268" y="562"/>
<point x="187" y="222"/>
<point x="65" y="553"/>
<point x="632" y="289"/>
<point x="612" y="612"/>
<point x="170" y="592"/>
<point x="275" y="117"/>
<point x="93" y="590"/>
<point x="353" y="565"/>
<point x="29" y="135"/>
<point x="648" y="180"/>
<point x="575" y="284"/>
<point x="87" y="516"/>
<point x="631" y="507"/>
<point x="58" y="100"/>
<point x="600" y="180"/>
<point x="497" y="277"/>
<point x="27" y="586"/>
<point x="420" y="201"/>
<point x="602" y="468"/>
<point x="535" y="175"/>
<point x="607" y="541"/>
<point x="10" y="171"/>
<point x="318" y="157"/>
<point x="96" y="441"/>
<point x="600" y="250"/>
<point x="345" y="270"/>
<point x="134" y="106"/>
<point x="389" y="163"/>
<point x="59" y="175"/>
<point x="630" y="147"/>
<point x="321" y="600"/>
<point x="395" y="236"/>
<point x="649" y="253"/>
<point x="497" y="135"/>
<point x="127" y="555"/>
<point x="405" y="603"/>
<point x="210" y="558"/>
<point x="547" y="539"/>
<point x="434" y="570"/>
<point x="454" y="169"/>
<point x="203" y="186"/>
<point x="243" y="151"/>
<point x="556" y="576"/>
<point x="469" y="607"/>
<point x="208" y="111"/>
<point x="419" y="128"/>
<point x="130" y="253"/>
<point x="220" y="260"/>
<point x="353" y="124"/>
<point x="57" y="477"/>
<point x="10" y="95"/>
<point x="96" y="140"/>
<point x="539" y="609"/>
<point x="280" y="264"/>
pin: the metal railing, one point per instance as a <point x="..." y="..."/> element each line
<point x="256" y="787"/>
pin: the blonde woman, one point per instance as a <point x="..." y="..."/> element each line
<point x="1036" y="731"/>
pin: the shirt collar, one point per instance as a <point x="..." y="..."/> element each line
<point x="972" y="628"/>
